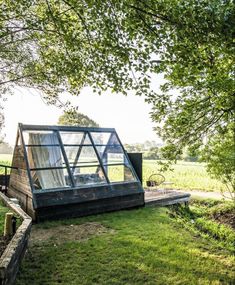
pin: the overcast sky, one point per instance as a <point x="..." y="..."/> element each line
<point x="128" y="115"/>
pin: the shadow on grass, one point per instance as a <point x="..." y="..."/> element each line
<point x="147" y="247"/>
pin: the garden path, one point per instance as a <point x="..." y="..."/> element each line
<point x="210" y="195"/>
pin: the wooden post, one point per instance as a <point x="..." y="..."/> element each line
<point x="8" y="224"/>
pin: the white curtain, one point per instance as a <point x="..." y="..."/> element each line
<point x="47" y="156"/>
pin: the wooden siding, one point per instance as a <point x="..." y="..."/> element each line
<point x="90" y="207"/>
<point x="73" y="196"/>
<point x="19" y="186"/>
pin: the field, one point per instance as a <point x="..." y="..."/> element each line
<point x="186" y="175"/>
<point x="5" y="159"/>
<point x="143" y="246"/>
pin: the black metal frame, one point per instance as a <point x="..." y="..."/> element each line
<point x="86" y="131"/>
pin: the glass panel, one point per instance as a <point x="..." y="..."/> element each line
<point x="40" y="138"/>
<point x="45" y="156"/>
<point x="119" y="173"/>
<point x="100" y="138"/>
<point x="88" y="175"/>
<point x="114" y="140"/>
<point x="111" y="154"/>
<point x="113" y="146"/>
<point x="72" y="137"/>
<point x="49" y="179"/>
<point x="81" y="155"/>
<point x="100" y="150"/>
<point x="115" y="158"/>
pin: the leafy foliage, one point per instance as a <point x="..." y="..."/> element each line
<point x="62" y="45"/>
<point x="220" y="156"/>
<point x="73" y="118"/>
<point x="209" y="217"/>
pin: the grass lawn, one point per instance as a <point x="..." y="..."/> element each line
<point x="3" y="211"/>
<point x="143" y="246"/>
<point x="186" y="176"/>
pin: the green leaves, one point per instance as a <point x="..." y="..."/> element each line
<point x="58" y="45"/>
<point x="72" y="117"/>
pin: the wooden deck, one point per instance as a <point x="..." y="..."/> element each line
<point x="165" y="197"/>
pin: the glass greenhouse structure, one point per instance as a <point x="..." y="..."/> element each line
<point x="72" y="171"/>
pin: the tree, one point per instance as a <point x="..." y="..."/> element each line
<point x="61" y="45"/>
<point x="219" y="154"/>
<point x="152" y="153"/>
<point x="74" y="118"/>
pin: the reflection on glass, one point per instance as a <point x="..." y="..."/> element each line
<point x="119" y="173"/>
<point x="81" y="155"/>
<point x="113" y="140"/>
<point x="115" y="158"/>
<point x="100" y="138"/>
<point x="88" y="175"/>
<point x="51" y="178"/>
<point x="111" y="154"/>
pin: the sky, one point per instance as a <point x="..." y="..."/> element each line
<point x="129" y="115"/>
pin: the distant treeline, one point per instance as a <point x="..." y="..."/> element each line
<point x="152" y="150"/>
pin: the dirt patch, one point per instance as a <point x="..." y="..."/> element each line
<point x="65" y="233"/>
<point x="3" y="243"/>
<point x="226" y="218"/>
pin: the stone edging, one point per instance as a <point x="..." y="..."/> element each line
<point x="14" y="253"/>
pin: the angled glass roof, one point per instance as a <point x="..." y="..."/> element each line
<point x="73" y="157"/>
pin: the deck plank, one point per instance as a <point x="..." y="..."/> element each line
<point x="164" y="198"/>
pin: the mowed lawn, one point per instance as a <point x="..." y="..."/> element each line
<point x="143" y="246"/>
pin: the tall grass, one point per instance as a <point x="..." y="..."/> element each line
<point x="5" y="159"/>
<point x="186" y="176"/>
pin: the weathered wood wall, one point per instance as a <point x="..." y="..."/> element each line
<point x="87" y="201"/>
<point x="19" y="186"/>
<point x="90" y="207"/>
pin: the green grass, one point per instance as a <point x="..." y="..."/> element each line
<point x="3" y="211"/>
<point x="201" y="217"/>
<point x="186" y="176"/>
<point x="145" y="246"/>
<point x="5" y="159"/>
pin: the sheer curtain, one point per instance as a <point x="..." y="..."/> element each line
<point x="46" y="156"/>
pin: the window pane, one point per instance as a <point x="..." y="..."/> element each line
<point x="49" y="179"/>
<point x="72" y="137"/>
<point x="119" y="173"/>
<point x="115" y="158"/>
<point x="88" y="175"/>
<point x="45" y="156"/>
<point x="112" y="154"/>
<point x="100" y="138"/>
<point x="40" y="138"/>
<point x="114" y="140"/>
<point x="81" y="155"/>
